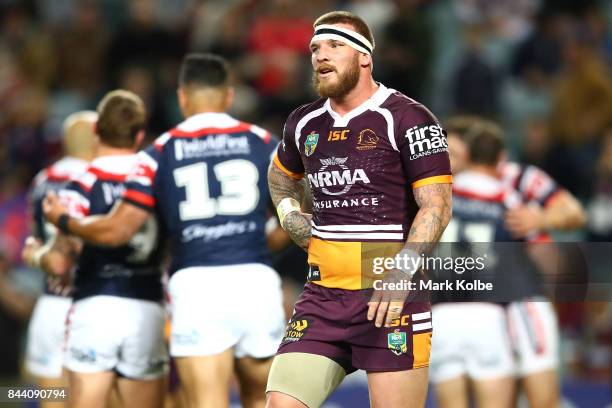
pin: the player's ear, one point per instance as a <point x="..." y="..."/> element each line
<point x="229" y="97"/>
<point x="503" y="157"/>
<point x="365" y="60"/>
<point x="140" y="137"/>
<point x="96" y="144"/>
<point x="182" y="99"/>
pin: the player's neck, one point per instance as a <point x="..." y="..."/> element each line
<point x="362" y="92"/>
<point x="205" y="108"/>
<point x="105" y="150"/>
<point x="484" y="169"/>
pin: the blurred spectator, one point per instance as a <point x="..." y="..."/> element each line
<point x="23" y="132"/>
<point x="14" y="226"/>
<point x="278" y="41"/>
<point x="212" y="26"/>
<point x="600" y="207"/>
<point x="582" y="108"/>
<point x="17" y="298"/>
<point x="581" y="112"/>
<point x="81" y="48"/>
<point x="30" y="43"/>
<point x="406" y="49"/>
<point x="377" y="13"/>
<point x="141" y="41"/>
<point x="140" y="80"/>
<point x="475" y="83"/>
<point x="540" y="53"/>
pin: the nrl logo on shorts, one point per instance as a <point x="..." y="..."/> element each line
<point x="311" y="143"/>
<point x="396" y="342"/>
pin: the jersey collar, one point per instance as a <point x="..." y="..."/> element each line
<point x="381" y="95"/>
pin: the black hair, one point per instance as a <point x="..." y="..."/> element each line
<point x="205" y="70"/>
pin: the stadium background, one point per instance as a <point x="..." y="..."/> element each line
<point x="541" y="68"/>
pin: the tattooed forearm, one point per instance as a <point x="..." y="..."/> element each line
<point x="298" y="227"/>
<point x="282" y="186"/>
<point x="297" y="224"/>
<point x="435" y="207"/>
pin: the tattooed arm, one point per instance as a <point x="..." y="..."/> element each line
<point x="297" y="224"/>
<point x="435" y="209"/>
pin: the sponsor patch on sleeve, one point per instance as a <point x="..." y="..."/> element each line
<point x="425" y="140"/>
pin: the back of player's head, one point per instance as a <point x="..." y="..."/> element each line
<point x="459" y="125"/>
<point x="346" y="17"/>
<point x="79" y="134"/>
<point x="485" y="142"/>
<point x="204" y="70"/>
<point x="121" y="117"/>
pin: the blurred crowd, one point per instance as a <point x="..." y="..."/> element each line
<point x="539" y="67"/>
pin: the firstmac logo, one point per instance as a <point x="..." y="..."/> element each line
<point x="426" y="140"/>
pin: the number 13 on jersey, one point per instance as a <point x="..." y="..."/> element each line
<point x="239" y="193"/>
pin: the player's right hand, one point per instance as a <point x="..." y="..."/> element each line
<point x="386" y="304"/>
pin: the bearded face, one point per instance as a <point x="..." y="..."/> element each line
<point x="331" y="82"/>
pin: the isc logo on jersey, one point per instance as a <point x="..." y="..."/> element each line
<point x="344" y="177"/>
<point x="426" y="140"/>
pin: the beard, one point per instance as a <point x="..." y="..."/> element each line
<point x="345" y="84"/>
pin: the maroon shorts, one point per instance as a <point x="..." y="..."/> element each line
<point x="333" y="323"/>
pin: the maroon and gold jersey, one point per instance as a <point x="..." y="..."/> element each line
<point x="361" y="168"/>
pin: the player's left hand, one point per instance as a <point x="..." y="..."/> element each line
<point x="32" y="244"/>
<point x="52" y="208"/>
<point x="524" y="220"/>
<point x="387" y="304"/>
<point x="59" y="285"/>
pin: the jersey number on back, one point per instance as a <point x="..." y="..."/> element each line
<point x="480" y="236"/>
<point x="239" y="192"/>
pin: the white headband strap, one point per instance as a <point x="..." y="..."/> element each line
<point x="350" y="37"/>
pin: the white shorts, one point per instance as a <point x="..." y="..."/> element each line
<point x="470" y="339"/>
<point x="111" y="333"/>
<point x="46" y="334"/>
<point x="535" y="335"/>
<point x="220" y="307"/>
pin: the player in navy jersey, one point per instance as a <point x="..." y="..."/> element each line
<point x="377" y="164"/>
<point x="115" y="326"/>
<point x="545" y="206"/>
<point x="206" y="179"/>
<point x="471" y="349"/>
<point x="47" y="324"/>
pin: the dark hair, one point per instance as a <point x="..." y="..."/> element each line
<point x="459" y="125"/>
<point x="121" y="115"/>
<point x="346" y="17"/>
<point x="485" y="142"/>
<point x="206" y="70"/>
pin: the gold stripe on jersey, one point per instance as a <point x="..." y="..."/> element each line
<point x="348" y="265"/>
<point x="296" y="176"/>
<point x="447" y="179"/>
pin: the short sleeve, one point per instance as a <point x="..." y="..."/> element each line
<point x="423" y="147"/>
<point x="75" y="198"/>
<point x="287" y="157"/>
<point x="536" y="185"/>
<point x="139" y="183"/>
